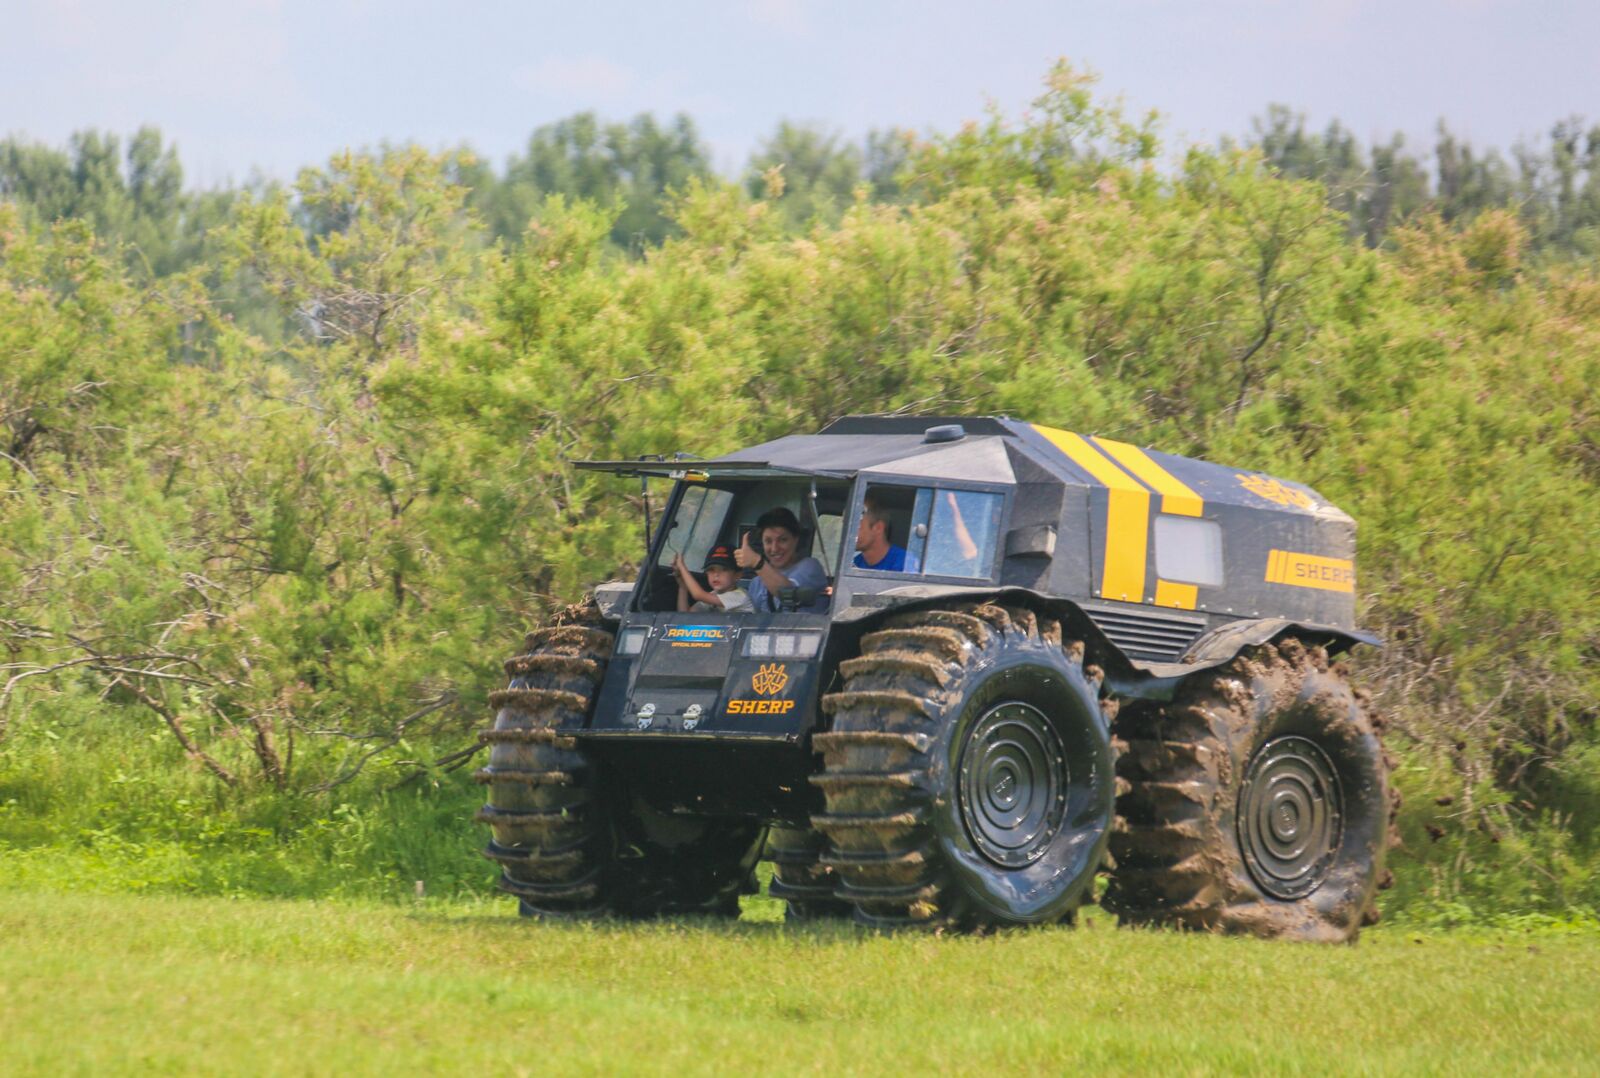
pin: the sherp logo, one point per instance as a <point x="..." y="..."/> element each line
<point x="770" y="679"/>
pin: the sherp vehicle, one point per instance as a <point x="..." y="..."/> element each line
<point x="1098" y="658"/>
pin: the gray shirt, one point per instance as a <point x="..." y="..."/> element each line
<point x="805" y="573"/>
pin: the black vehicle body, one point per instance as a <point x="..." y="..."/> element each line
<point x="1162" y="564"/>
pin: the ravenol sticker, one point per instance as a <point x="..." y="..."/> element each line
<point x="1310" y="571"/>
<point x="694" y="636"/>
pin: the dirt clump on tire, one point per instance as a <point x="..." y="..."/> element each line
<point x="1258" y="802"/>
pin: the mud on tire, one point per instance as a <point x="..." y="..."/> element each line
<point x="799" y="877"/>
<point x="1259" y="802"/>
<point x="549" y="834"/>
<point x="967" y="771"/>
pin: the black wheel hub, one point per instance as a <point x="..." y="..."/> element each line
<point x="1013" y="784"/>
<point x="1291" y="817"/>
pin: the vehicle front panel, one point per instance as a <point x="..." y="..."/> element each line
<point x="713" y="677"/>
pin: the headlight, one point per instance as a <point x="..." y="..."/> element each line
<point x="631" y="642"/>
<point x="782" y="645"/>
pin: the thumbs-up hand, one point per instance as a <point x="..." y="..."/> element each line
<point x="746" y="555"/>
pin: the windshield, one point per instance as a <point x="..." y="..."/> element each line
<point x="695" y="525"/>
<point x="712" y="518"/>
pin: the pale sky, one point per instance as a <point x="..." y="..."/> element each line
<point x="277" y="84"/>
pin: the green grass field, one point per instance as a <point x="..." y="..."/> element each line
<point x="110" y="984"/>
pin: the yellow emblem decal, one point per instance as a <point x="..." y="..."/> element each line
<point x="1274" y="491"/>
<point x="770" y="679"/>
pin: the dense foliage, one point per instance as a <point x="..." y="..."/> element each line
<point x="277" y="500"/>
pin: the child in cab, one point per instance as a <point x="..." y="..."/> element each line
<point x="722" y="574"/>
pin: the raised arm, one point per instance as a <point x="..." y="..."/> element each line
<point x="749" y="558"/>
<point x="689" y="588"/>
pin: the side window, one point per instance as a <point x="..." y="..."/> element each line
<point x="694" y="529"/>
<point x="1189" y="550"/>
<point x="888" y="538"/>
<point x="962" y="534"/>
<point x="942" y="532"/>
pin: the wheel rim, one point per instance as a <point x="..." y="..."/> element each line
<point x="1291" y="817"/>
<point x="1013" y="788"/>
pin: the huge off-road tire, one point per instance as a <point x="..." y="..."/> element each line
<point x="799" y="877"/>
<point x="967" y="771"/>
<point x="1259" y="802"/>
<point x="569" y="837"/>
<point x="550" y="833"/>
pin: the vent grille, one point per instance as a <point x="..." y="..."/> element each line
<point x="1151" y="637"/>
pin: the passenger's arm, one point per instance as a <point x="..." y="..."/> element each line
<point x="969" y="547"/>
<point x="774" y="580"/>
<point x="747" y="556"/>
<point x="688" y="586"/>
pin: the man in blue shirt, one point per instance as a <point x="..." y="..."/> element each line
<point x="778" y="564"/>
<point x="875" y="546"/>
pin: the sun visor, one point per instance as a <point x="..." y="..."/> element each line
<point x="700" y="470"/>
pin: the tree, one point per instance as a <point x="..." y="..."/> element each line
<point x="134" y="198"/>
<point x="626" y="168"/>
<point x="809" y="174"/>
<point x="1374" y="189"/>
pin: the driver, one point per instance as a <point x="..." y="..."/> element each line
<point x="778" y="565"/>
<point x="875" y="545"/>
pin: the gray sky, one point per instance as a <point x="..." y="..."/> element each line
<point x="277" y="84"/>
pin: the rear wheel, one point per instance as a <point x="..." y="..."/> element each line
<point x="1259" y="803"/>
<point x="967" y="774"/>
<point x="799" y="877"/>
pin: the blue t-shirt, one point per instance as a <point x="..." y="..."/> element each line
<point x="892" y="562"/>
<point x="805" y="573"/>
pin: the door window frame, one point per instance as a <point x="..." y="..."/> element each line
<point x="864" y="480"/>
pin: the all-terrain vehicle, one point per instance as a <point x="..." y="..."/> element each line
<point x="1094" y="657"/>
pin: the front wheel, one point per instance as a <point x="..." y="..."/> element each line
<point x="968" y="771"/>
<point x="568" y="838"/>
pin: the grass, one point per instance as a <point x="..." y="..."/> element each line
<point x="151" y="922"/>
<point x="100" y="983"/>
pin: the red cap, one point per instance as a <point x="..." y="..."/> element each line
<point x="723" y="556"/>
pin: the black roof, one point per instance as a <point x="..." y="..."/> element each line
<point x="899" y="445"/>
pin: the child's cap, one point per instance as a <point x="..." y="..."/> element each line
<point x="723" y="556"/>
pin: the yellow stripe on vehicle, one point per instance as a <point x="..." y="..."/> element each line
<point x="1127" y="516"/>
<point x="1311" y="571"/>
<point x="1176" y="497"/>
<point x="1179" y="596"/>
